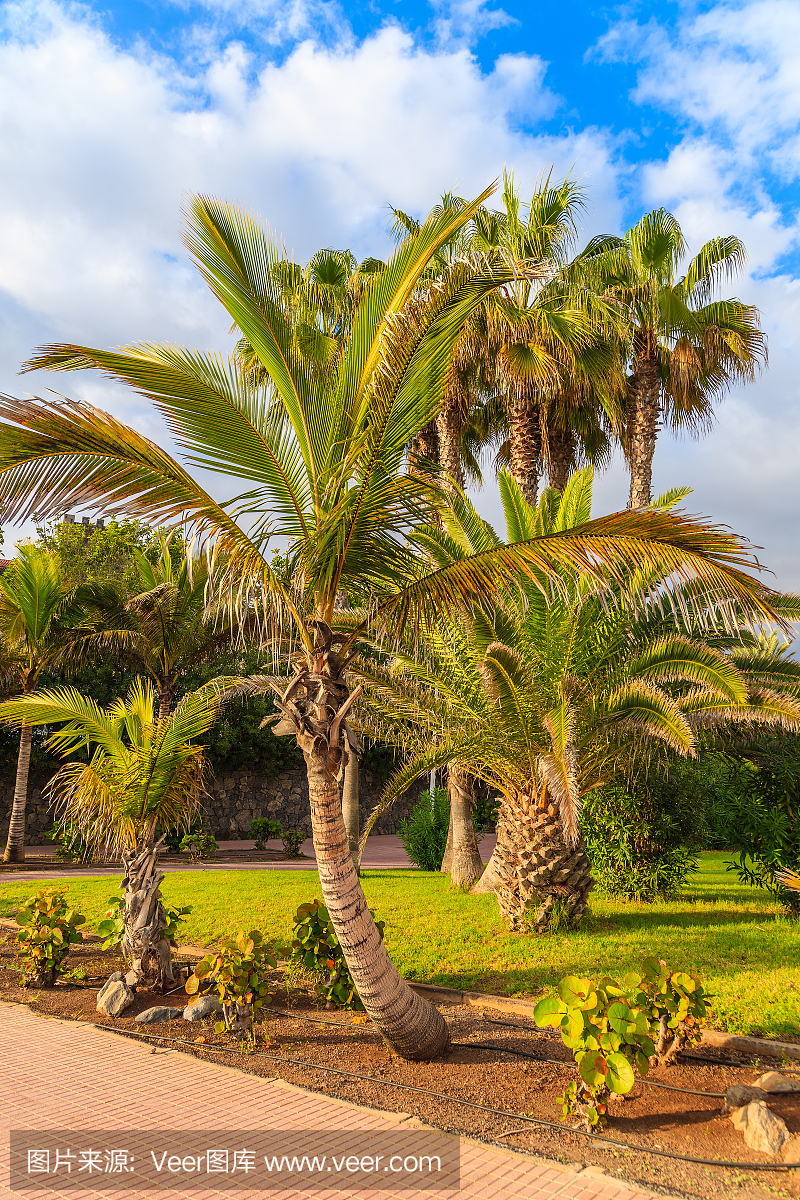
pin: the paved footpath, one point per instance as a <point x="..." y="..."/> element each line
<point x="68" y="1075"/>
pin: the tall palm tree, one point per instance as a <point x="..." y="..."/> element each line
<point x="686" y="349"/>
<point x="321" y="454"/>
<point x="37" y="612"/>
<point x="143" y="771"/>
<point x="547" y="698"/>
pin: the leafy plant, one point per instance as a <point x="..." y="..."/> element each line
<point x="48" y="928"/>
<point x="112" y="927"/>
<point x="175" y="834"/>
<point x="238" y="973"/>
<point x="200" y="845"/>
<point x="424" y="832"/>
<point x="292" y="841"/>
<point x="316" y="948"/>
<point x="73" y="845"/>
<point x="262" y="829"/>
<point x="615" y="1028"/>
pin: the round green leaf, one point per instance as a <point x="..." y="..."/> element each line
<point x="620" y="1073"/>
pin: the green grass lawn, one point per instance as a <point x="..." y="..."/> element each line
<point x="733" y="936"/>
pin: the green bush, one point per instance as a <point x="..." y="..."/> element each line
<point x="239" y="974"/>
<point x="200" y="845"/>
<point x="48" y="927"/>
<point x="644" y="838"/>
<point x="73" y="847"/>
<point x="316" y="947"/>
<point x="112" y="927"/>
<point x="424" y="833"/>
<point x="263" y="829"/>
<point x="292" y="841"/>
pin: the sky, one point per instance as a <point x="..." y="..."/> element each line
<point x="318" y="116"/>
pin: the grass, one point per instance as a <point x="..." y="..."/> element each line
<point x="733" y="936"/>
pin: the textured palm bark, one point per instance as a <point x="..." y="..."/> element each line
<point x="447" y="860"/>
<point x="15" y="846"/>
<point x="449" y="426"/>
<point x="526" y="447"/>
<point x="424" y="450"/>
<point x="560" y="456"/>
<point x="165" y="698"/>
<point x="466" y="865"/>
<point x="144" y="945"/>
<point x="350" y="813"/>
<point x="532" y="869"/>
<point x="644" y="410"/>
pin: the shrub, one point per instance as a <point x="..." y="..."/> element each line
<point x="173" y="837"/>
<point x="238" y="973"/>
<point x="73" y="846"/>
<point x="292" y="841"/>
<point x="484" y="813"/>
<point x="263" y="829"/>
<point x="424" y="833"/>
<point x="200" y="845"/>
<point x="48" y="928"/>
<point x="316" y="947"/>
<point x="615" y="1028"/>
<point x="112" y="927"/>
<point x="644" y="838"/>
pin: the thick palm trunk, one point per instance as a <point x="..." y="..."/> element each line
<point x="165" y="698"/>
<point x="144" y="945"/>
<point x="560" y="456"/>
<point x="533" y="870"/>
<point x="424" y="452"/>
<point x="449" y="425"/>
<point x="644" y="409"/>
<point x="15" y="846"/>
<point x="525" y="436"/>
<point x="464" y="865"/>
<point x="350" y="813"/>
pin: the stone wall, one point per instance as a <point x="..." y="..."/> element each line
<point x="235" y="797"/>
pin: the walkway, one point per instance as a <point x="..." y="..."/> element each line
<point x="64" y="1075"/>
<point x="382" y="852"/>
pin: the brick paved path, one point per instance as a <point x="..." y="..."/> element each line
<point x="67" y="1075"/>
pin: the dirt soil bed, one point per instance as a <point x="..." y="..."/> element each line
<point x="651" y="1117"/>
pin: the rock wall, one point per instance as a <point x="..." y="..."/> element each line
<point x="235" y="797"/>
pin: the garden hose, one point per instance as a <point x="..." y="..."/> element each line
<point x="499" y="1112"/>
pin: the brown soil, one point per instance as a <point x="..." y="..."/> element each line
<point x="650" y="1117"/>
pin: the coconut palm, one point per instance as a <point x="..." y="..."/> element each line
<point x="320" y="456"/>
<point x="37" y="612"/>
<point x="546" y="698"/>
<point x="686" y="349"/>
<point x="143" y="771"/>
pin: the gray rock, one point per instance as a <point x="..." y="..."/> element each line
<point x="114" y="997"/>
<point x="116" y="977"/>
<point x="761" y="1128"/>
<point x="741" y="1094"/>
<point x="132" y="979"/>
<point x="159" y="1013"/>
<point x="205" y="1006"/>
<point x="773" y="1081"/>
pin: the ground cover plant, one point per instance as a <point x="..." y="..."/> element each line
<point x="736" y="939"/>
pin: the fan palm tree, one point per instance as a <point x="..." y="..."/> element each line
<point x="320" y="456"/>
<point x="37" y="613"/>
<point x="686" y="349"/>
<point x="143" y="771"/>
<point x="546" y="698"/>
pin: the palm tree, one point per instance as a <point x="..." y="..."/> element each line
<point x="686" y="349"/>
<point x="321" y="454"/>
<point x="547" y="698"/>
<point x="37" y="612"/>
<point x="143" y="771"/>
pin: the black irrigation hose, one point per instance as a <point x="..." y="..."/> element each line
<point x="498" y="1112"/>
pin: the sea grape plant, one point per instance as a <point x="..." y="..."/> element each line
<point x="112" y="927"/>
<point x="48" y="928"/>
<point x="317" y="947"/>
<point x="239" y="974"/>
<point x="615" y="1028"/>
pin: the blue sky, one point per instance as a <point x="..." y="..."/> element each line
<point x="318" y="115"/>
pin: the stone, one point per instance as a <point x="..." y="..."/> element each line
<point x="791" y="1151"/>
<point x="115" y="978"/>
<point x="204" y="1006"/>
<point x="159" y="1013"/>
<point x="761" y="1128"/>
<point x="114" y="997"/>
<point x="741" y="1094"/>
<point x="773" y="1081"/>
<point x="132" y="979"/>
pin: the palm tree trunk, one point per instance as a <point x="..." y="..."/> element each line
<point x="447" y="860"/>
<point x="412" y="1026"/>
<point x="424" y="451"/>
<point x="525" y="436"/>
<point x="350" y="813"/>
<point x="449" y="425"/>
<point x="644" y="408"/>
<point x="15" y="846"/>
<point x="466" y="866"/>
<point x="532" y="866"/>
<point x="560" y="456"/>
<point x="143" y="943"/>
<point x="165" y="697"/>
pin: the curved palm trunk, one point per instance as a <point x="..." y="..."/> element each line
<point x="644" y="409"/>
<point x="449" y="425"/>
<point x="464" y="865"/>
<point x="525" y="436"/>
<point x="314" y="707"/>
<point x="533" y="867"/>
<point x="144" y="945"/>
<point x="15" y="846"/>
<point x="350" y="813"/>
